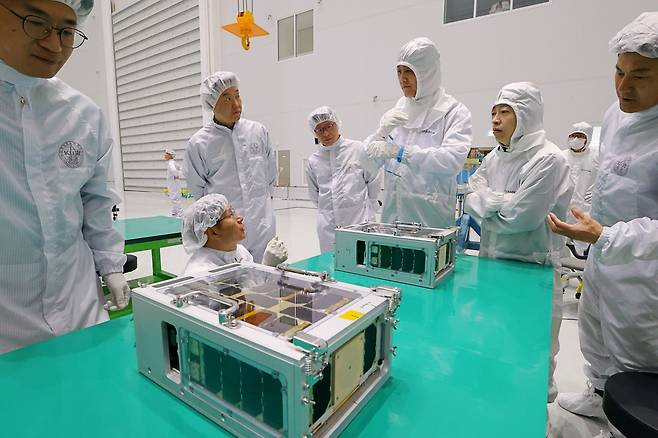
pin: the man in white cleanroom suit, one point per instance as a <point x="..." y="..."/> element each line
<point x="517" y="185"/>
<point x="422" y="143"/>
<point x="583" y="160"/>
<point x="56" y="226"/>
<point x="174" y="175"/>
<point x="234" y="156"/>
<point x="338" y="184"/>
<point x="618" y="312"/>
<point x="211" y="235"/>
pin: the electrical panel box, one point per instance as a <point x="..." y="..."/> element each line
<point x="403" y="252"/>
<point x="268" y="352"/>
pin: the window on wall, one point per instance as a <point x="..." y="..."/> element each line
<point x="458" y="10"/>
<point x="304" y="28"/>
<point x="286" y="33"/>
<point x="295" y="35"/>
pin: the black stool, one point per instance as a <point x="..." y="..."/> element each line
<point x="631" y="403"/>
<point x="131" y="263"/>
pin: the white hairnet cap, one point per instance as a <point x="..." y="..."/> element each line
<point x="422" y="57"/>
<point x="322" y="114"/>
<point x="82" y="8"/>
<point x="170" y="152"/>
<point x="200" y="216"/>
<point x="639" y="36"/>
<point x="214" y="85"/>
<point x="583" y="128"/>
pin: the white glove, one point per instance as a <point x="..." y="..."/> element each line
<point x="119" y="291"/>
<point x="492" y="202"/>
<point x="275" y="253"/>
<point x="378" y="150"/>
<point x="507" y="197"/>
<point x="389" y="121"/>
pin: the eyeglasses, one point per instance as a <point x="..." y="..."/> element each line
<point x="39" y="28"/>
<point x="325" y="128"/>
<point x="230" y="212"/>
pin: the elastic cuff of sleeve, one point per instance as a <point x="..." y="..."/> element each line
<point x="109" y="269"/>
<point x="604" y="239"/>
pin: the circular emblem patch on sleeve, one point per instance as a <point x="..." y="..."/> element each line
<point x="71" y="154"/>
<point x="621" y="167"/>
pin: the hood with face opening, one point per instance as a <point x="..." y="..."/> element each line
<point x="423" y="58"/>
<point x="583" y="128"/>
<point x="526" y="101"/>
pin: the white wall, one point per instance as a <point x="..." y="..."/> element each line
<point x="562" y="46"/>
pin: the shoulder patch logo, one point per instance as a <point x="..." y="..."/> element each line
<point x="71" y="154"/>
<point x="621" y="167"/>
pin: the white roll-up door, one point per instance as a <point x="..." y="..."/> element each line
<point x="158" y="71"/>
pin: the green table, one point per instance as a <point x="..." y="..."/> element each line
<point x="151" y="234"/>
<point x="472" y="361"/>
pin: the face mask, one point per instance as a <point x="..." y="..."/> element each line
<point x="576" y="144"/>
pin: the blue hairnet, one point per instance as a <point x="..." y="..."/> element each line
<point x="82" y="8"/>
<point x="639" y="36"/>
<point x="200" y="216"/>
<point x="322" y="114"/>
<point x="214" y="85"/>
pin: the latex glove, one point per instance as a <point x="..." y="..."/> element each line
<point x="492" y="202"/>
<point x="507" y="197"/>
<point x="119" y="291"/>
<point x="389" y="121"/>
<point x="275" y="253"/>
<point x="379" y="149"/>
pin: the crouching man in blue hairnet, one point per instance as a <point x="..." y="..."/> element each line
<point x="212" y="232"/>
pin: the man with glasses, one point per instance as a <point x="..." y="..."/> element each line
<point x="233" y="156"/>
<point x="338" y="184"/>
<point x="56" y="228"/>
<point x="212" y="233"/>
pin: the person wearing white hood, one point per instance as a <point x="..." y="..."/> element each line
<point x="618" y="312"/>
<point x="517" y="185"/>
<point x="338" y="184"/>
<point x="56" y="226"/>
<point x="211" y="234"/>
<point x="174" y="175"/>
<point x="584" y="162"/>
<point x="422" y="143"/>
<point x="233" y="156"/>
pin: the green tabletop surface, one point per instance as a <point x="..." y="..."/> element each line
<point x="144" y="229"/>
<point x="472" y="361"/>
<point x="472" y="356"/>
